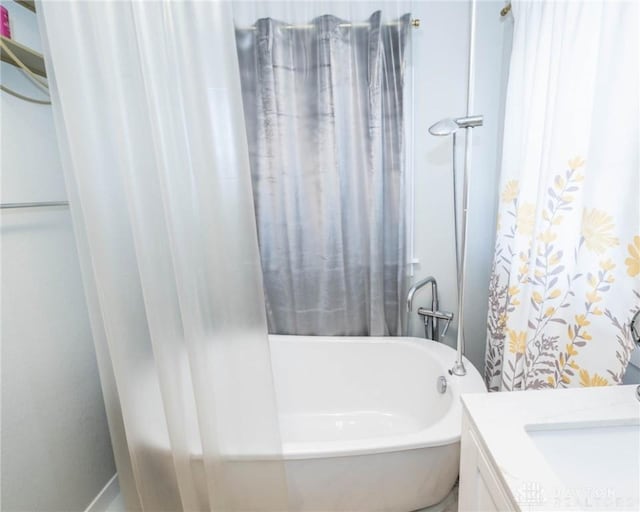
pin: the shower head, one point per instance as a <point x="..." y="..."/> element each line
<point x="449" y="126"/>
<point x="444" y="127"/>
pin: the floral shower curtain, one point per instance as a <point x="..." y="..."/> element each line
<point x="566" y="276"/>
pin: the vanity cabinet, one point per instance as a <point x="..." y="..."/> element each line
<point x="480" y="486"/>
<point x="558" y="449"/>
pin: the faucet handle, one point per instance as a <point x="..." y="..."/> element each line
<point x="440" y="315"/>
<point x="447" y="320"/>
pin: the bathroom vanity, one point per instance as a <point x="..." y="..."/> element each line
<point x="573" y="449"/>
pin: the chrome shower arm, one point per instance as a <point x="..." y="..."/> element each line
<point x="469" y="122"/>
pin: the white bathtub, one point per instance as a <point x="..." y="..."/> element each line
<point x="363" y="425"/>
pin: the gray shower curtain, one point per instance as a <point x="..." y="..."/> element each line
<point x="324" y="114"/>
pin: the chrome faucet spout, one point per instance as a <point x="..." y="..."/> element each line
<point x="434" y="292"/>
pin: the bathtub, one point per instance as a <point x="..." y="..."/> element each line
<point x="364" y="425"/>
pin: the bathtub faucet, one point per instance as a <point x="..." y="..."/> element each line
<point x="431" y="316"/>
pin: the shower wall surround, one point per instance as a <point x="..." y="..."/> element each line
<point x="56" y="453"/>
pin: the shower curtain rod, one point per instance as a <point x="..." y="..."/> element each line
<point x="415" y="22"/>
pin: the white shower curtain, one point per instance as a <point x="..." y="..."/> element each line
<point x="566" y="277"/>
<point x="148" y="110"/>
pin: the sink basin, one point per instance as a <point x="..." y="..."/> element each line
<point x="598" y="465"/>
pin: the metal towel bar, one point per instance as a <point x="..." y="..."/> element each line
<point x="43" y="204"/>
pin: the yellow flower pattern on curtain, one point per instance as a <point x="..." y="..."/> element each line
<point x="565" y="304"/>
<point x="566" y="272"/>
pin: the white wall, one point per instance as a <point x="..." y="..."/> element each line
<point x="439" y="61"/>
<point x="56" y="453"/>
<point x="493" y="52"/>
<point x="440" y="53"/>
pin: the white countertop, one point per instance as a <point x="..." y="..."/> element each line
<point x="532" y="479"/>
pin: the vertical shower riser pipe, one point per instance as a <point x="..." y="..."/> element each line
<point x="458" y="367"/>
